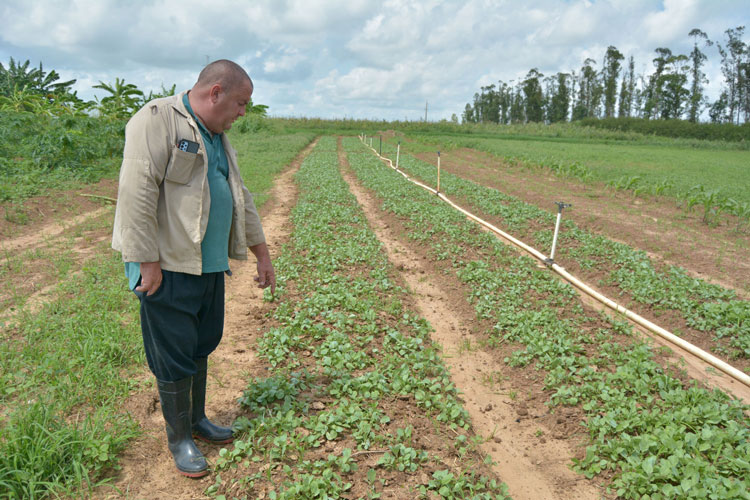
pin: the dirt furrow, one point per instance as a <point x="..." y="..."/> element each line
<point x="32" y="273"/>
<point x="46" y="233"/>
<point x="533" y="465"/>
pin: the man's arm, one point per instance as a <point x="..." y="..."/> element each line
<point x="144" y="161"/>
<point x="266" y="276"/>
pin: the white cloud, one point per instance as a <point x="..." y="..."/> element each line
<point x="352" y="57"/>
<point x="674" y="21"/>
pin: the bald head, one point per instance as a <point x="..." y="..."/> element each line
<point x="220" y="95"/>
<point x="226" y="73"/>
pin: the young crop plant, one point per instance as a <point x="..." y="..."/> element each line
<point x="651" y="434"/>
<point x="345" y="372"/>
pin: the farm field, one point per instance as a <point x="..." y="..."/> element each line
<point x="406" y="354"/>
<point x="669" y="165"/>
<point x="655" y="224"/>
<point x="664" y="291"/>
<point x="494" y="297"/>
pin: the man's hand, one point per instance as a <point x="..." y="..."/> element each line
<point x="150" y="278"/>
<point x="266" y="276"/>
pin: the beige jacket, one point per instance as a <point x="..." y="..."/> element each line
<point x="163" y="198"/>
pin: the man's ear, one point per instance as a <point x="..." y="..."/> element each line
<point x="213" y="92"/>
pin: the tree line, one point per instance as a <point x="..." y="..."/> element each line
<point x="674" y="90"/>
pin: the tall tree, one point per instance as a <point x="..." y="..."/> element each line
<point x="698" y="78"/>
<point x="19" y="76"/>
<point x="559" y="98"/>
<point x="477" y="107"/>
<point x="589" y="92"/>
<point x="732" y="67"/>
<point x="653" y="98"/>
<point x="675" y="94"/>
<point x="717" y="112"/>
<point x="505" y="94"/>
<point x="468" y="114"/>
<point x="610" y="74"/>
<point x="123" y="100"/>
<point x="532" y="90"/>
<point x="639" y="97"/>
<point x="490" y="104"/>
<point x="627" y="91"/>
<point x="517" y="106"/>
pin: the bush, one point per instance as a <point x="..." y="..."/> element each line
<point x="673" y="128"/>
<point x="39" y="150"/>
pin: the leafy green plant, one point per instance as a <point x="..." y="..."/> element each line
<point x="663" y="187"/>
<point x="626" y="183"/>
<point x="450" y="486"/>
<point x="713" y="201"/>
<point x="123" y="101"/>
<point x="402" y="458"/>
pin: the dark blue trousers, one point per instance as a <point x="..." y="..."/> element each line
<point x="181" y="322"/>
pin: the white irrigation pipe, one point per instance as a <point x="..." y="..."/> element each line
<point x="696" y="351"/>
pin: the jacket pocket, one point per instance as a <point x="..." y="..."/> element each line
<point x="182" y="165"/>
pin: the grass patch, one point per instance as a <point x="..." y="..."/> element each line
<point x="65" y="373"/>
<point x="263" y="154"/>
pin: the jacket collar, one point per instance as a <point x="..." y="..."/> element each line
<point x="178" y="105"/>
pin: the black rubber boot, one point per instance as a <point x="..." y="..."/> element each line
<point x="175" y="406"/>
<point x="203" y="428"/>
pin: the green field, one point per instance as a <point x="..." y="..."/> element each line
<point x="673" y="164"/>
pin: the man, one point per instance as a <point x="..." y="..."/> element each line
<point x="182" y="212"/>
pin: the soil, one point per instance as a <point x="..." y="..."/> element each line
<point x="48" y="216"/>
<point x="26" y="257"/>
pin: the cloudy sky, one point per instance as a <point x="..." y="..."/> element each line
<point x="353" y="58"/>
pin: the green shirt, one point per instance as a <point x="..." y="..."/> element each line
<point x="215" y="243"/>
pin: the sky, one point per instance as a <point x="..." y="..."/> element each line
<point x="382" y="59"/>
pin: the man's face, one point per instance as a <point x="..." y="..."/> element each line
<point x="229" y="106"/>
